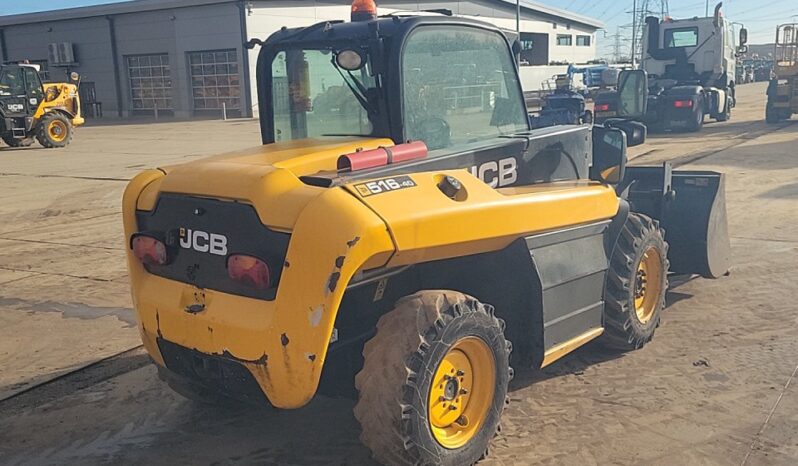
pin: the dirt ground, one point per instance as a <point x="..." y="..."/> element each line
<point x="717" y="385"/>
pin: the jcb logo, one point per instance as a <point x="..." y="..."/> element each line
<point x="202" y="241"/>
<point x="16" y="107"/>
<point x="497" y="173"/>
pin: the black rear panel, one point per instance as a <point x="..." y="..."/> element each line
<point x="223" y="375"/>
<point x="225" y="227"/>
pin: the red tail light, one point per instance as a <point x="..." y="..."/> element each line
<point x="683" y="103"/>
<point x="249" y="270"/>
<point x="601" y="107"/>
<point x="149" y="250"/>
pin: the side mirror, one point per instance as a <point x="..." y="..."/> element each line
<point x="743" y="37"/>
<point x="516" y="47"/>
<point x="632" y="94"/>
<point x="635" y="131"/>
<point x="609" y="155"/>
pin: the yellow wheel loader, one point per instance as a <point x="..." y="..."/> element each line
<point x="31" y="110"/>
<point x="402" y="235"/>
<point x="783" y="88"/>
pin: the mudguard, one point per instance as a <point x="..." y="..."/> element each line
<point x="691" y="207"/>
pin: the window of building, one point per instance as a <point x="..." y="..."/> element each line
<point x="215" y="80"/>
<point x="564" y="39"/>
<point x="460" y="87"/>
<point x="583" y="41"/>
<point x="681" y="37"/>
<point x="554" y="25"/>
<point x="150" y="82"/>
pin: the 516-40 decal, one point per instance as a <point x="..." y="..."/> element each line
<point x="385" y="185"/>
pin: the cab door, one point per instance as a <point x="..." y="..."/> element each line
<point x="33" y="89"/>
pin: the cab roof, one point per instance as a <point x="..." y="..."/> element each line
<point x="358" y="31"/>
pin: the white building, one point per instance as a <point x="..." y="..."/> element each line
<point x="186" y="58"/>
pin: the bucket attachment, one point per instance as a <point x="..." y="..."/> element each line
<point x="691" y="207"/>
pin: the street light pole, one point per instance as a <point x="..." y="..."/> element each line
<point x="518" y="18"/>
<point x="634" y="34"/>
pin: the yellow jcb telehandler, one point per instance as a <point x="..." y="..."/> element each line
<point x="397" y="243"/>
<point x="29" y="109"/>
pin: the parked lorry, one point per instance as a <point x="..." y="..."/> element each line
<point x="401" y="249"/>
<point x="691" y="65"/>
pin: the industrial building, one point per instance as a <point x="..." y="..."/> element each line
<point x="186" y="58"/>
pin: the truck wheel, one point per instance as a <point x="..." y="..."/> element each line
<point x="697" y="121"/>
<point x="725" y="114"/>
<point x="771" y="114"/>
<point x="54" y="130"/>
<point x="636" y="284"/>
<point x="14" y="142"/>
<point x="434" y="381"/>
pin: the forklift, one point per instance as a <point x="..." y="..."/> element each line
<point x="32" y="110"/>
<point x="783" y="88"/>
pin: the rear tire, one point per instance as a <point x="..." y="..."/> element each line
<point x="697" y="122"/>
<point x="54" y="130"/>
<point x="636" y="284"/>
<point x="433" y="348"/>
<point x="772" y="114"/>
<point x="14" y="142"/>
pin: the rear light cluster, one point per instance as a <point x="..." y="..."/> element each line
<point x="149" y="250"/>
<point x="601" y="107"/>
<point x="683" y="103"/>
<point x="248" y="270"/>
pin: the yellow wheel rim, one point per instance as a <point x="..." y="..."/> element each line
<point x="57" y="130"/>
<point x="462" y="392"/>
<point x="648" y="285"/>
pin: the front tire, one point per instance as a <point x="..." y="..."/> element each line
<point x="54" y="130"/>
<point x="636" y="284"/>
<point x="434" y="381"/>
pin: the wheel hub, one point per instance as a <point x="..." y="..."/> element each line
<point x="461" y="392"/>
<point x="451" y="389"/>
<point x="648" y="285"/>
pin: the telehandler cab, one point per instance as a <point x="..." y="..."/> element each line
<point x="402" y="230"/>
<point x="29" y="109"/>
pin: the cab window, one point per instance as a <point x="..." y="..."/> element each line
<point x="312" y="96"/>
<point x="11" y="82"/>
<point x="33" y="85"/>
<point x="681" y="37"/>
<point x="459" y="87"/>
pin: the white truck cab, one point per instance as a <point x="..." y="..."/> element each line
<point x="691" y="64"/>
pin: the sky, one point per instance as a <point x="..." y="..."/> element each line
<point x="759" y="16"/>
